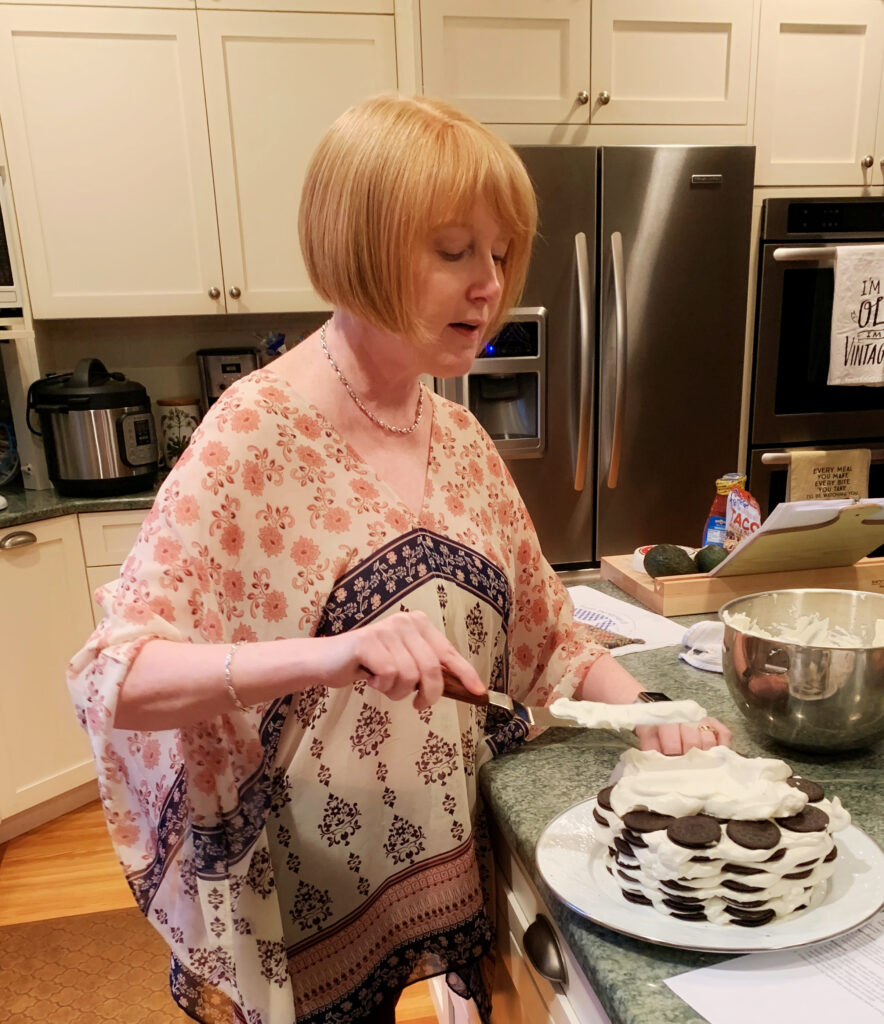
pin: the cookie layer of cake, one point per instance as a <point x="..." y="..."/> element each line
<point x="713" y="836"/>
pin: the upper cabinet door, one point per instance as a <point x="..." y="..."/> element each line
<point x="682" y="62"/>
<point x="108" y="150"/>
<point x="515" y="63"/>
<point x="274" y="84"/>
<point x="819" y="92"/>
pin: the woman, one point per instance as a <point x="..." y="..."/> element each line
<point x="294" y="806"/>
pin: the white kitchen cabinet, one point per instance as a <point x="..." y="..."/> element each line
<point x="819" y="96"/>
<point x="105" y="129"/>
<point x="520" y="62"/>
<point x="44" y="608"/>
<point x="274" y="83"/>
<point x="107" y="538"/>
<point x="682" y="62"/>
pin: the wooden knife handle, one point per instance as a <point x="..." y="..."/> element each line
<point x="452" y="687"/>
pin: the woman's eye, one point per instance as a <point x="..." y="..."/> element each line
<point x="452" y="257"/>
<point x="500" y="259"/>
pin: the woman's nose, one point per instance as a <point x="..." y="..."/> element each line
<point x="487" y="282"/>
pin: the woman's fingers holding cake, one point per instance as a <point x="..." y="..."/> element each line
<point x="676" y="739"/>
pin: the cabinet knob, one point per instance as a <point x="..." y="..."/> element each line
<point x="583" y="97"/>
<point x="543" y="950"/>
<point x="604" y="97"/>
<point x="214" y="293"/>
<point x="19" y="539"/>
<point x="234" y="292"/>
<point x="867" y="160"/>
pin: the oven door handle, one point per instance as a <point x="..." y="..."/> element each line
<point x="795" y="254"/>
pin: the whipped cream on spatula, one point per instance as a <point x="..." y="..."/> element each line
<point x="595" y="715"/>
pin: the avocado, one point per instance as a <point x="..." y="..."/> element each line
<point x="668" y="560"/>
<point x="710" y="556"/>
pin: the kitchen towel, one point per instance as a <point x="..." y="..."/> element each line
<point x="703" y="645"/>
<point x="822" y="475"/>
<point x="856" y="352"/>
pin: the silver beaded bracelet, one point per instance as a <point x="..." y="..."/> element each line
<point x="228" y="680"/>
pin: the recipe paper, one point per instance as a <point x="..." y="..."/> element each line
<point x="841" y="979"/>
<point x="598" y="609"/>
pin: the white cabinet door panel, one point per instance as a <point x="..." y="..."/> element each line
<point x="105" y="128"/>
<point x="819" y="82"/>
<point x="683" y="62"/>
<point x="274" y="83"/>
<point x="45" y="610"/>
<point x="515" y="63"/>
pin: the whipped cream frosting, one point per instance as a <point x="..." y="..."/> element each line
<point x="725" y="785"/>
<point x="809" y="630"/>
<point x="595" y="715"/>
<point x="718" y="782"/>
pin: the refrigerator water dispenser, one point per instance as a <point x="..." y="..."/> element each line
<point x="506" y="388"/>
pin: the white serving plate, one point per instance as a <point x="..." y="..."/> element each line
<point x="571" y="860"/>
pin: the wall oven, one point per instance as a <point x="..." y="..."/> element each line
<point x="791" y="402"/>
<point x="792" y="406"/>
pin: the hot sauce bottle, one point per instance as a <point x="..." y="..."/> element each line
<point x="713" y="531"/>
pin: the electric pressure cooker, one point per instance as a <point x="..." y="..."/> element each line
<point x="97" y="429"/>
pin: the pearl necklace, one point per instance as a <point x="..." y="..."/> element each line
<point x="374" y="419"/>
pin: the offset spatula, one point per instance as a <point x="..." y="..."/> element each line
<point x="612" y="718"/>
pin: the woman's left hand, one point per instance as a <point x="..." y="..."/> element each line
<point x="677" y="739"/>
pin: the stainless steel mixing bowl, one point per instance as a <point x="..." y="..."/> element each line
<point x="809" y="697"/>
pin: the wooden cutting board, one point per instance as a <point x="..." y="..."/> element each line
<point x="846" y="536"/>
<point x="703" y="592"/>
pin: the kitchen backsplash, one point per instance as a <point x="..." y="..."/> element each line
<point x="159" y="352"/>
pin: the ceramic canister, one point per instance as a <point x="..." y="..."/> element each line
<point x="178" y="420"/>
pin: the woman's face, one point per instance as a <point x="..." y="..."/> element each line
<point x="459" y="282"/>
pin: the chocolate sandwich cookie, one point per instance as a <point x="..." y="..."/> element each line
<point x="742" y="869"/>
<point x="637" y="897"/>
<point x="627" y="877"/>
<point x="729" y="883"/>
<point x="686" y="906"/>
<point x="634" y="839"/>
<point x="799" y="874"/>
<point x="778" y="855"/>
<point x="604" y="798"/>
<point x="624" y="847"/>
<point x="811" y="819"/>
<point x="812" y="790"/>
<point x="694" y="831"/>
<point x="698" y="915"/>
<point x="744" y="904"/>
<point x="753" y="835"/>
<point x="598" y="817"/>
<point x="763" y="918"/>
<point x="671" y="883"/>
<point x="831" y="855"/>
<point x="646" y="821"/>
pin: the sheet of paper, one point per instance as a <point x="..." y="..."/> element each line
<point x="838" y="980"/>
<point x="598" y="609"/>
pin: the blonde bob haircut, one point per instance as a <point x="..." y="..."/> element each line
<point x="386" y="174"/>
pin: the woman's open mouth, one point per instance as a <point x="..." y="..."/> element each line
<point x="464" y="327"/>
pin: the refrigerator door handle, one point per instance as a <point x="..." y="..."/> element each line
<point x="620" y="360"/>
<point x="584" y="311"/>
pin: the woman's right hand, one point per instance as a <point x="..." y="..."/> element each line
<point x="401" y="656"/>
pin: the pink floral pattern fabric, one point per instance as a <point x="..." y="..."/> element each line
<point x="311" y="855"/>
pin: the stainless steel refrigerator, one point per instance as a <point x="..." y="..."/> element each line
<point x="614" y="393"/>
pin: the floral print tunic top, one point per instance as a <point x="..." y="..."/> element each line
<point x="309" y="857"/>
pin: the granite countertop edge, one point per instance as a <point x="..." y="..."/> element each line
<point x="524" y="790"/>
<point x="27" y="506"/>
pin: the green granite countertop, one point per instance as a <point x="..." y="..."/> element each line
<point x="525" y="790"/>
<point x="26" y="506"/>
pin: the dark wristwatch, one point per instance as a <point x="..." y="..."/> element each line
<point x="650" y="697"/>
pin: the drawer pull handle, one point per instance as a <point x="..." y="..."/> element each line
<point x="543" y="950"/>
<point x="19" y="539"/>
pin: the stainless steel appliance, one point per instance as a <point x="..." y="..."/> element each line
<point x="791" y="402"/>
<point x="633" y="327"/>
<point x="11" y="297"/>
<point x="97" y="429"/>
<point x="220" y="367"/>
